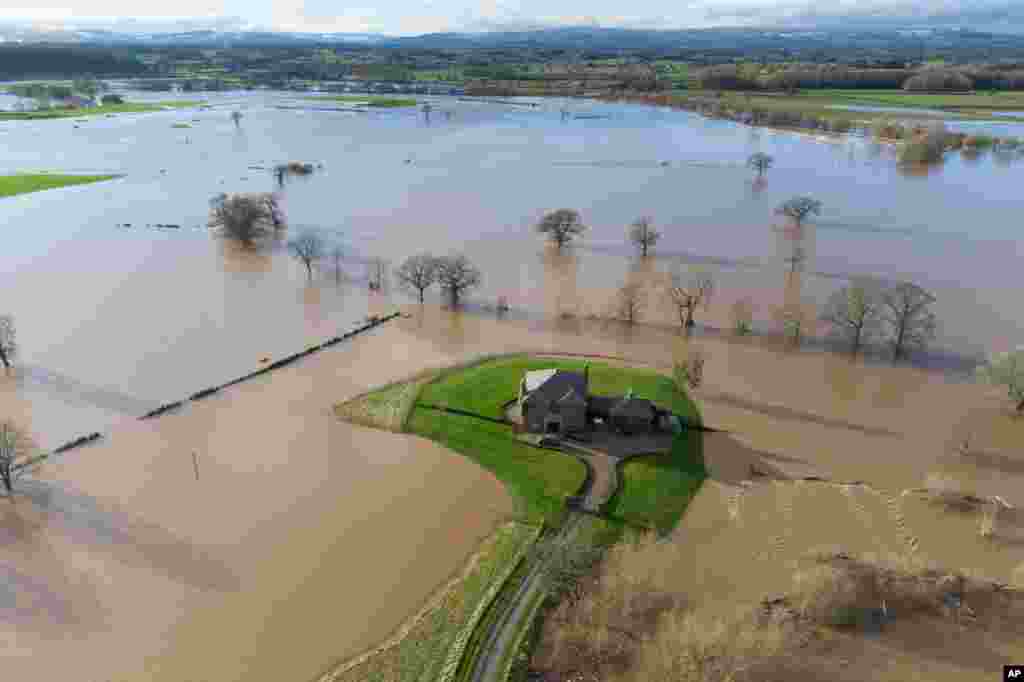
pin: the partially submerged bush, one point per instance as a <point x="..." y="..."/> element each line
<point x="927" y="146"/>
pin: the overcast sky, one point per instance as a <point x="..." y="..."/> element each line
<point x="408" y="17"/>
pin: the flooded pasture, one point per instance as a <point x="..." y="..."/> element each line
<point x="291" y="540"/>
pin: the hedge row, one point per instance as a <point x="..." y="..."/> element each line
<point x="77" y="442"/>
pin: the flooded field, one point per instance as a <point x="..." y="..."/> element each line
<point x="312" y="537"/>
<point x="143" y="315"/>
<point x="290" y="532"/>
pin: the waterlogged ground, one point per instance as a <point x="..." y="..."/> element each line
<point x="150" y="314"/>
<point x="306" y="540"/>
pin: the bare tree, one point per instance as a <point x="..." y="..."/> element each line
<point x="907" y="316"/>
<point x="8" y="340"/>
<point x="418" y="273"/>
<point x="760" y="162"/>
<point x="561" y="226"/>
<point x="854" y="311"/>
<point x="307" y="248"/>
<point x="337" y="253"/>
<point x="245" y="217"/>
<point x="377" y="277"/>
<point x="1007" y="369"/>
<point x="687" y="296"/>
<point x="643" y="234"/>
<point x="798" y="209"/>
<point x="456" y="275"/>
<point x="14" y="446"/>
<point x="630" y="302"/>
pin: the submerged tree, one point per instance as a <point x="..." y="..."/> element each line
<point x="8" y="340"/>
<point x="456" y="275"/>
<point x="906" y="313"/>
<point x="245" y="217"/>
<point x="236" y="116"/>
<point x="418" y="273"/>
<point x="1007" y="369"/>
<point x="307" y="248"/>
<point x="643" y="235"/>
<point x="561" y="226"/>
<point x="630" y="303"/>
<point x="337" y="254"/>
<point x="854" y="310"/>
<point x="15" y="445"/>
<point x="760" y="162"/>
<point x="798" y="209"/>
<point x="689" y="295"/>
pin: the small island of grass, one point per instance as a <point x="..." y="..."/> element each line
<point x="100" y="110"/>
<point x="368" y="100"/>
<point x="24" y="183"/>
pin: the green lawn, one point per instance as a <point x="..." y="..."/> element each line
<point x="126" y="108"/>
<point x="369" y="100"/>
<point x="1008" y="101"/>
<point x="656" y="489"/>
<point x="24" y="183"/>
<point x="423" y="652"/>
<point x="484" y="388"/>
<point x="541" y="479"/>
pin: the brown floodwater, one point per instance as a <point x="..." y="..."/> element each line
<point x="304" y="540"/>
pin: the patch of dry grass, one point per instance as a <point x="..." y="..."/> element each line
<point x="631" y="626"/>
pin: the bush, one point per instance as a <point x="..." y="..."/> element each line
<point x="112" y="99"/>
<point x="725" y="77"/>
<point x="938" y="80"/>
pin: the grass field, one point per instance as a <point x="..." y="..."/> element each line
<point x="424" y="650"/>
<point x="127" y="108"/>
<point x="656" y="489"/>
<point x="369" y="100"/>
<point x="11" y="185"/>
<point x="542" y="479"/>
<point x="820" y="103"/>
<point x="1003" y="101"/>
<point x="485" y="388"/>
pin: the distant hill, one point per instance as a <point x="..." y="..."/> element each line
<point x="722" y="41"/>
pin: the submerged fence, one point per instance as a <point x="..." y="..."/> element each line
<point x="207" y="392"/>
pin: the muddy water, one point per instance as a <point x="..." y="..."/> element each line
<point x="278" y="547"/>
<point x="304" y="539"/>
<point x="156" y="313"/>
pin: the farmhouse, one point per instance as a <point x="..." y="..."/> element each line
<point x="558" y="402"/>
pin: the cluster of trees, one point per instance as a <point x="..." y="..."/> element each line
<point x="454" y="274"/>
<point x="836" y="76"/>
<point x="900" y="313"/>
<point x="18" y="62"/>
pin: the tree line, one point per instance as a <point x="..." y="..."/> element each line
<point x="839" y="77"/>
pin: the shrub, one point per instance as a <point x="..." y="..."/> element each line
<point x="944" y="80"/>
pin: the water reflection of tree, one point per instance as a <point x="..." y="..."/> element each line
<point x="237" y="258"/>
<point x="561" y="292"/>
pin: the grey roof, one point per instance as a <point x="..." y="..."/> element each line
<point x="558" y="385"/>
<point x="634" y="407"/>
